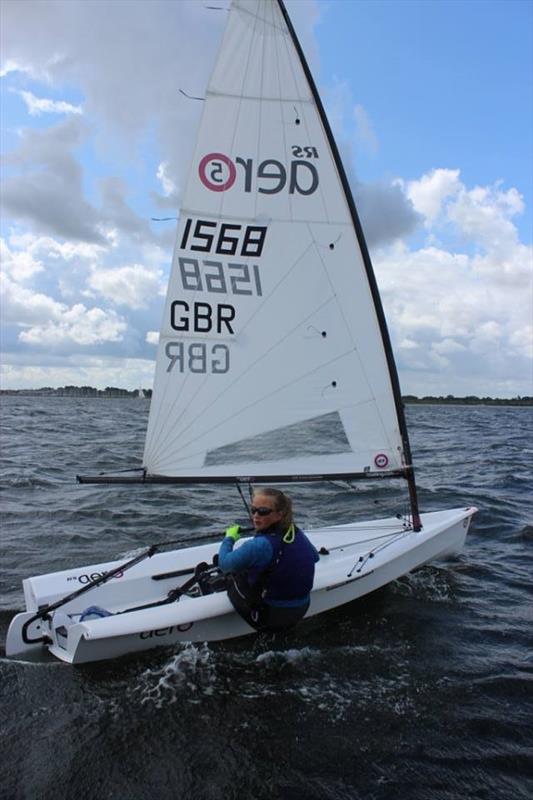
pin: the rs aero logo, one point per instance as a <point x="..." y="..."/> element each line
<point x="219" y="173"/>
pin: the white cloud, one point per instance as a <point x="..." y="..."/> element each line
<point x="46" y="246"/>
<point x="167" y="184"/>
<point x="19" y="265"/>
<point x="10" y="65"/>
<point x="132" y="286"/>
<point x="22" y="306"/>
<point x="46" y="322"/>
<point x="484" y="216"/>
<point x="81" y="370"/>
<point x="42" y="105"/>
<point x="49" y="288"/>
<point x="78" y="325"/>
<point x="522" y="341"/>
<point x="429" y="193"/>
<point x="460" y="314"/>
<point x="448" y="346"/>
<point x="152" y="337"/>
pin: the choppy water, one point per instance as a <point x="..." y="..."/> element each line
<point x="423" y="690"/>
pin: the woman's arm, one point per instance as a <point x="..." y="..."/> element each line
<point x="254" y="553"/>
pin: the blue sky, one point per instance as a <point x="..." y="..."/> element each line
<point x="432" y="106"/>
<point x="446" y="83"/>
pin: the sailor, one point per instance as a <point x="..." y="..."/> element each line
<point x="271" y="575"/>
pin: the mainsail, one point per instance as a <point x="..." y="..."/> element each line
<point x="274" y="359"/>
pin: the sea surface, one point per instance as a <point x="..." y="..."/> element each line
<point x="421" y="690"/>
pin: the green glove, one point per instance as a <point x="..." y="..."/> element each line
<point x="234" y="532"/>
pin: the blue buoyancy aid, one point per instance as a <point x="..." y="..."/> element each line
<point x="291" y="573"/>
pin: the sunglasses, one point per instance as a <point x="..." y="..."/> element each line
<point x="262" y="511"/>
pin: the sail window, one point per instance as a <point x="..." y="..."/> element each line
<point x="322" y="435"/>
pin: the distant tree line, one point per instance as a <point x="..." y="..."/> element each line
<point x="81" y="391"/>
<point x="469" y="400"/>
<point x="114" y="391"/>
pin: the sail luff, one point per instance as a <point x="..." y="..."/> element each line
<point x="393" y="372"/>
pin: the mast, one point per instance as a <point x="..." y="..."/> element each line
<point x="393" y="373"/>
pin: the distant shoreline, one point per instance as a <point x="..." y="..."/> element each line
<point x="80" y="391"/>
<point x="467" y="401"/>
<point x="114" y="392"/>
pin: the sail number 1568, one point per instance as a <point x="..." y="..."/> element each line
<point x="224" y="239"/>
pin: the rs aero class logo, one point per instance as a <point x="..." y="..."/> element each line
<point x="219" y="173"/>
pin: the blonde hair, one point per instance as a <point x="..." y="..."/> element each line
<point x="283" y="503"/>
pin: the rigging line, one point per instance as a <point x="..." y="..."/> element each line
<point x="263" y="398"/>
<point x="391" y="526"/>
<point x="385" y="432"/>
<point x="363" y="560"/>
<point x="396" y="534"/>
<point x="243" y="498"/>
<point x="253" y="317"/>
<point x="200" y="412"/>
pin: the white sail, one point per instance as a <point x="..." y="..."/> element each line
<point x="270" y="328"/>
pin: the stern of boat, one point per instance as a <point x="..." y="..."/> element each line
<point x="22" y="633"/>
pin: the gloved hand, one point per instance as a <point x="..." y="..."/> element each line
<point x="234" y="532"/>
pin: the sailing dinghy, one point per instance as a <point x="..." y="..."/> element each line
<point x="274" y="365"/>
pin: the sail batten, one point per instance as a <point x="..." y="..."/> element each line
<point x="272" y="318"/>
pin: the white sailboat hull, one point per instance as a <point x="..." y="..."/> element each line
<point x="362" y="557"/>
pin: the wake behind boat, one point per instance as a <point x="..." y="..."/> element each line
<point x="274" y="364"/>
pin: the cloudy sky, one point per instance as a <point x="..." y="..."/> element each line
<point x="432" y="105"/>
